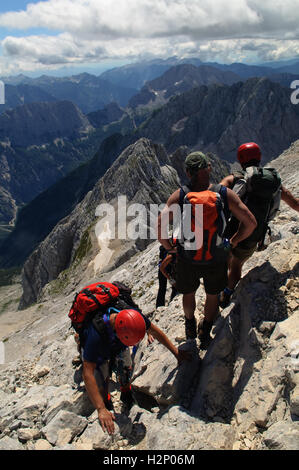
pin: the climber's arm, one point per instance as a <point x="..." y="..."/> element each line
<point x="105" y="417"/>
<point x="163" y="339"/>
<point x="228" y="181"/>
<point x="289" y="199"/>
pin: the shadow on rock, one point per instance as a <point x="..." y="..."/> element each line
<point x="240" y="335"/>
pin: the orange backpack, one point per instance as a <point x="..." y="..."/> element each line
<point x="208" y="214"/>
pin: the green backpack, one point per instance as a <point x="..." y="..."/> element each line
<point x="260" y="190"/>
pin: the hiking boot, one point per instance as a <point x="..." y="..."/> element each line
<point x="224" y="297"/>
<point x="77" y="361"/>
<point x="127" y="399"/>
<point x="190" y="328"/>
<point x="204" y="329"/>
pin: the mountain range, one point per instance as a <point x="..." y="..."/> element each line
<point x="218" y="117"/>
<point x="177" y="80"/>
<point x="87" y="91"/>
<point x="239" y="394"/>
<point x="211" y="107"/>
<point x="136" y="75"/>
<point x="90" y="92"/>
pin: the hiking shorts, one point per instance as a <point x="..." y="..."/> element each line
<point x="244" y="250"/>
<point x="188" y="277"/>
<point x="121" y="365"/>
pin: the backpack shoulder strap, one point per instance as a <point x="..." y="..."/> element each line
<point x="183" y="191"/>
<point x="222" y="190"/>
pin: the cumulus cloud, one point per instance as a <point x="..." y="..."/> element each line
<point x="93" y="30"/>
<point x="131" y="18"/>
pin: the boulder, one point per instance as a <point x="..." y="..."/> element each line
<point x="63" y="428"/>
<point x="282" y="436"/>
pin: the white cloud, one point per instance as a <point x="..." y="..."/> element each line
<point x="136" y="19"/>
<point x="94" y="30"/>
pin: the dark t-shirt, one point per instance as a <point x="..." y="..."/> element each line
<point x="98" y="351"/>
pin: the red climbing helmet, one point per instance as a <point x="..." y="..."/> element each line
<point x="249" y="151"/>
<point x="130" y="327"/>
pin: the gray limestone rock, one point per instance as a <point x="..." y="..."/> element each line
<point x="282" y="436"/>
<point x="63" y="428"/>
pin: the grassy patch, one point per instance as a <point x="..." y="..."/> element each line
<point x="84" y="247"/>
<point x="58" y="285"/>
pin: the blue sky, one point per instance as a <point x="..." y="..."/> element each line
<point x="15" y="5"/>
<point x="59" y="36"/>
<point x="19" y="5"/>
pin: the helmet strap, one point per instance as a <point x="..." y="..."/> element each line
<point x="108" y="313"/>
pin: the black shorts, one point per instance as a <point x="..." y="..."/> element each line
<point x="188" y="277"/>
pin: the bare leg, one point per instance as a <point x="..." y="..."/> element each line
<point x="234" y="272"/>
<point x="210" y="312"/>
<point x="211" y="307"/>
<point x="189" y="305"/>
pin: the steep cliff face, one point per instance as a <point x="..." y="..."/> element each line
<point x="241" y="394"/>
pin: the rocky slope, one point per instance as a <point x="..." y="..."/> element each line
<point x="241" y="394"/>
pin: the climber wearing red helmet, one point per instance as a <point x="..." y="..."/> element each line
<point x="261" y="190"/>
<point x="130" y="327"/>
<point x="109" y="347"/>
<point x="249" y="154"/>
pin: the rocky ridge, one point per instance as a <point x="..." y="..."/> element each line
<point x="242" y="394"/>
<point x="218" y="117"/>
